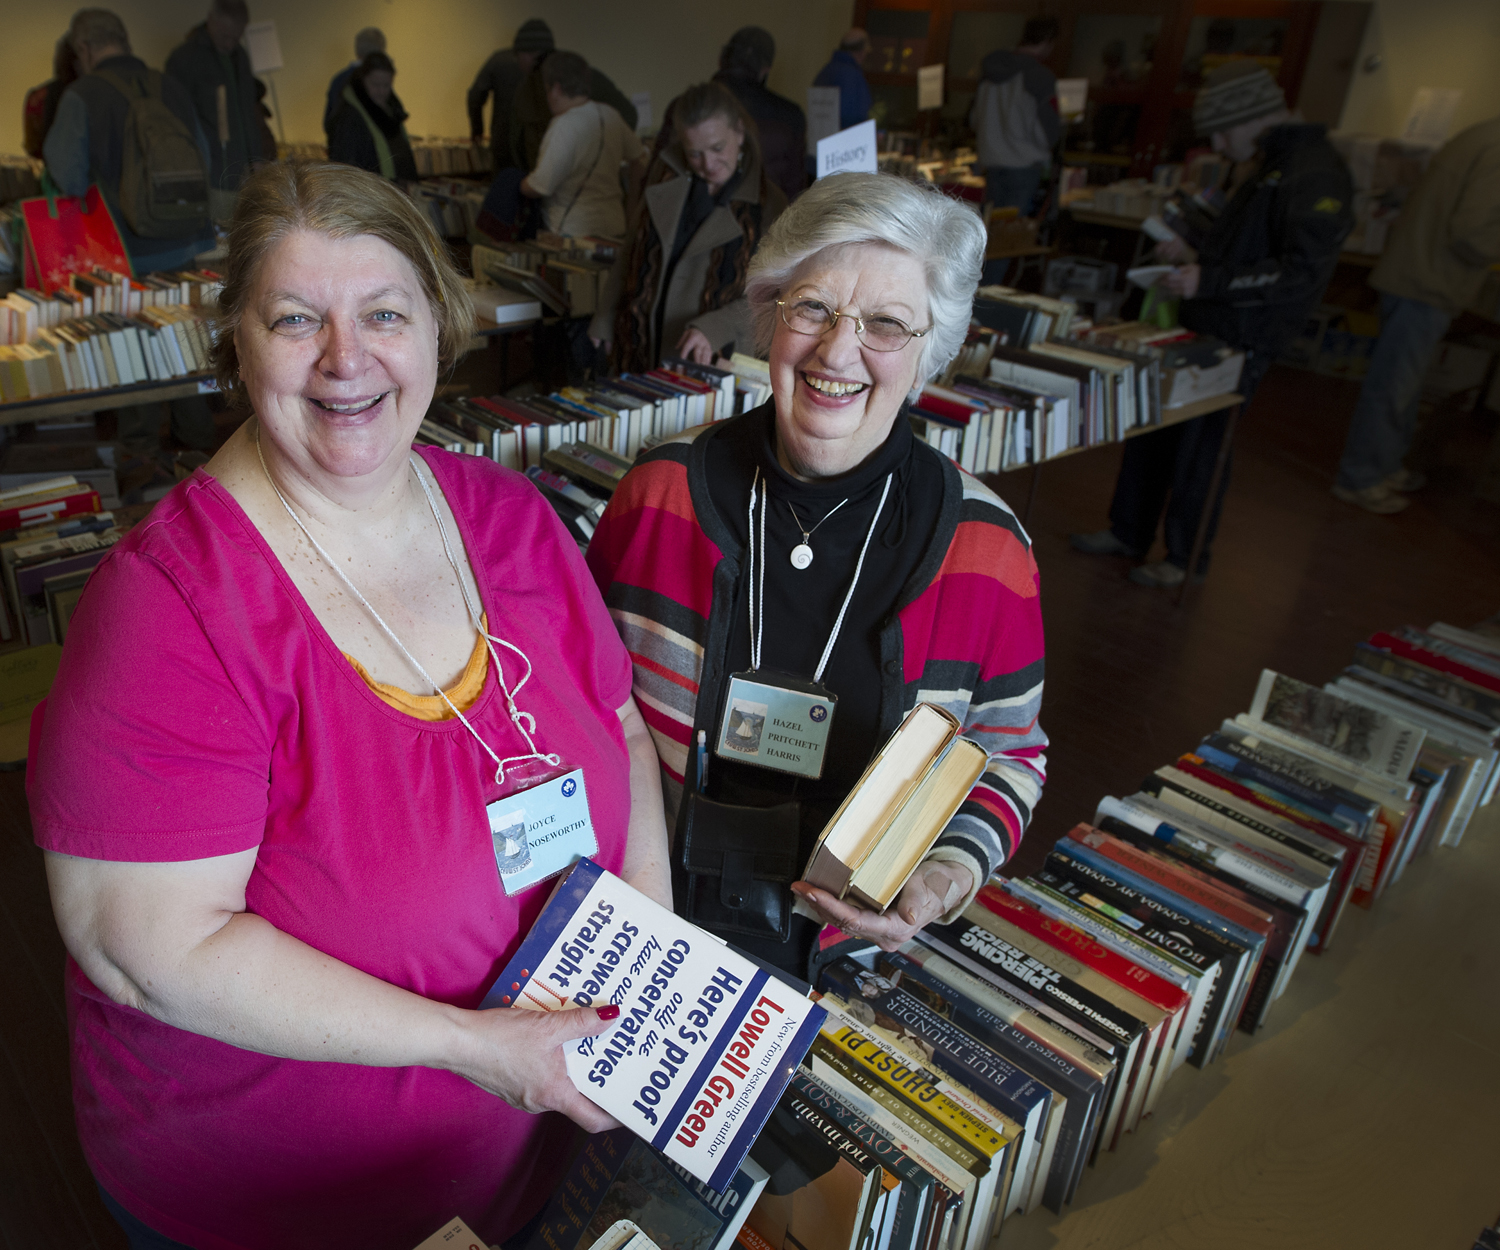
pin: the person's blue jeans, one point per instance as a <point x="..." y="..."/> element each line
<point x="1386" y="415"/>
<point x="141" y="1236"/>
<point x="1013" y="188"/>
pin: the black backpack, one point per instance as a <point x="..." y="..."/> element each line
<point x="163" y="185"/>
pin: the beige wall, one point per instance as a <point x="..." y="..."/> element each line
<point x="658" y="46"/>
<point x="1426" y="43"/>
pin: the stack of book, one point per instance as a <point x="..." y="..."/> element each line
<point x="105" y="330"/>
<point x="438" y="156"/>
<point x="52" y="534"/>
<point x="972" y="1075"/>
<point x="566" y="274"/>
<point x="615" y="418"/>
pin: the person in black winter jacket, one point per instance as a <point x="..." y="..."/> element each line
<point x="1261" y="269"/>
<point x="367" y="130"/>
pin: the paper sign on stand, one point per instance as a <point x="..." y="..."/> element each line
<point x="263" y="46"/>
<point x="642" y="102"/>
<point x="930" y="87"/>
<point x="850" y="151"/>
<point x="822" y="116"/>
<point x="1431" y="116"/>
<point x="1072" y="97"/>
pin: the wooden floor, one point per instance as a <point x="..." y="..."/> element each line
<point x="1364" y="1114"/>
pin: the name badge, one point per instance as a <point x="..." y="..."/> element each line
<point x="781" y="723"/>
<point x="541" y="831"/>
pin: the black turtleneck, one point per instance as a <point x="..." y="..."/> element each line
<point x="801" y="605"/>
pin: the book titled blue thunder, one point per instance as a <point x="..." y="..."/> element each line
<point x="705" y="1042"/>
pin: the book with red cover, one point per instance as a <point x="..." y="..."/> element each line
<point x="40" y="507"/>
<point x="1431" y="659"/>
<point x="948" y="409"/>
<point x="1276" y="923"/>
<point x="1355" y="849"/>
<point x="1142" y="982"/>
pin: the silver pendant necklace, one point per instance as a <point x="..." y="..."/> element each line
<point x="802" y="553"/>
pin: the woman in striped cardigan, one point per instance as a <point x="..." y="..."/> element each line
<point x="921" y="577"/>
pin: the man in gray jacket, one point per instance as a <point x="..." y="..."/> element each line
<point x="1446" y="239"/>
<point x="1015" y="118"/>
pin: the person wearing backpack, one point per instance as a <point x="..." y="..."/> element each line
<point x="132" y="131"/>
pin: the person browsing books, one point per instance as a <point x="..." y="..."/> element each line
<point x="585" y="149"/>
<point x="300" y="779"/>
<point x="1258" y="273"/>
<point x="369" y="129"/>
<point x="881" y="575"/>
<point x="679" y="283"/>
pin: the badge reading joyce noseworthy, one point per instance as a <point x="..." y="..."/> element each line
<point x="776" y="724"/>
<point x="541" y="831"/>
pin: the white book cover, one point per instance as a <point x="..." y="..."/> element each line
<point x="705" y="1042"/>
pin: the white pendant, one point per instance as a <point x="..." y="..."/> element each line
<point x="801" y="556"/>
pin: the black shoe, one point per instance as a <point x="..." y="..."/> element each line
<point x="1102" y="543"/>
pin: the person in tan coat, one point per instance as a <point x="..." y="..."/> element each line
<point x="1447" y="237"/>
<point x="678" y="287"/>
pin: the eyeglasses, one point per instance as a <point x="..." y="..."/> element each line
<point x="879" y="333"/>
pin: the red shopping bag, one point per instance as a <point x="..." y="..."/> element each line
<point x="67" y="235"/>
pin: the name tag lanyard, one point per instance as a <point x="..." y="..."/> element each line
<point x="805" y="707"/>
<point x="556" y="808"/>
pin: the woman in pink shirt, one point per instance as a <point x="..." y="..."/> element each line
<point x="261" y="780"/>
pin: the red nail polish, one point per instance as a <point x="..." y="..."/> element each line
<point x="609" y="1013"/>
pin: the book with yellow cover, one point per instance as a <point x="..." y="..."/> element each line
<point x="895" y="812"/>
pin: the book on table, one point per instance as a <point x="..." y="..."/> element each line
<point x="705" y="1041"/>
<point x="616" y="1178"/>
<point x="897" y="809"/>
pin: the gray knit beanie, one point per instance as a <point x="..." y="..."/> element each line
<point x="534" y="36"/>
<point x="1238" y="92"/>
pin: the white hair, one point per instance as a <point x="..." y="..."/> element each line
<point x="943" y="234"/>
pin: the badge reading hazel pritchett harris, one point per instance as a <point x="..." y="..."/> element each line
<point x="776" y="722"/>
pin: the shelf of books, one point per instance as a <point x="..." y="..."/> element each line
<point x="976" y="1074"/>
<point x="105" y="339"/>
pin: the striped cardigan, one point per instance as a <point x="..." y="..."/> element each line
<point x="966" y="634"/>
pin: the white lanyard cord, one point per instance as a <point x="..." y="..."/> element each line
<point x="758" y="604"/>
<point x="523" y="721"/>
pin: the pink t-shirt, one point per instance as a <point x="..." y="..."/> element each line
<point x="200" y="710"/>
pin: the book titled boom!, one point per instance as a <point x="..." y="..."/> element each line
<point x="705" y="1042"/>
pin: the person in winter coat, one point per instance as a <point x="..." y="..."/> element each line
<point x="370" y="39"/>
<point x="1259" y="272"/>
<point x="1015" y="118"/>
<point x="215" y="69"/>
<point x="501" y="76"/>
<point x="367" y="129"/>
<point x="780" y="125"/>
<point x="846" y="71"/>
<point x="1445" y="241"/>
<point x="678" y="286"/>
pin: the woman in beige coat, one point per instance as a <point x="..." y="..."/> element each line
<point x="678" y="287"/>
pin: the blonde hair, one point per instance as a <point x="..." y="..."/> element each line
<point x="340" y="202"/>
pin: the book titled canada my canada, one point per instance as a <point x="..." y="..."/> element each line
<point x="705" y="1042"/>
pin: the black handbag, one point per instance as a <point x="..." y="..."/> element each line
<point x="739" y="862"/>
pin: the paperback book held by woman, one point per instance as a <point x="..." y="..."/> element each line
<point x="705" y="1042"/>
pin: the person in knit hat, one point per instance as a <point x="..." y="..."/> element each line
<point x="500" y="77"/>
<point x="1259" y="272"/>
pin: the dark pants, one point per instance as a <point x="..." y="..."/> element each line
<point x="1013" y="188"/>
<point x="1171" y="469"/>
<point x="1386" y="415"/>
